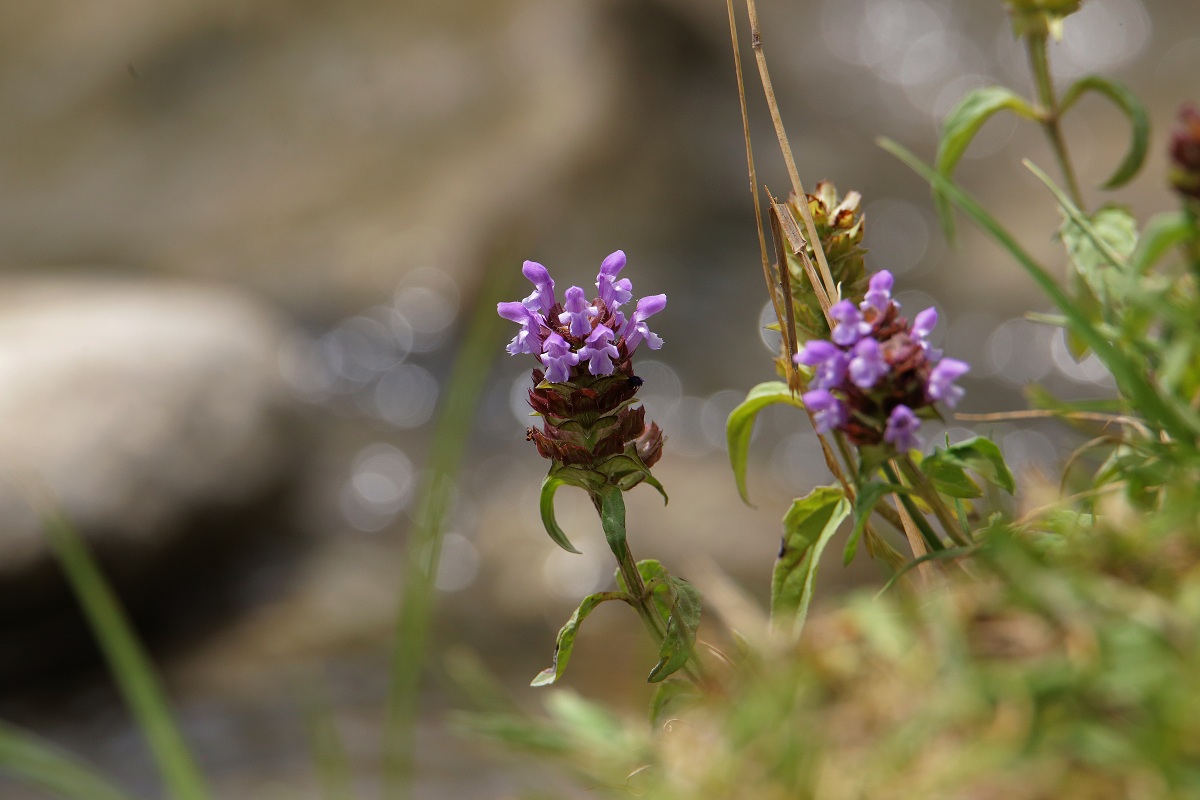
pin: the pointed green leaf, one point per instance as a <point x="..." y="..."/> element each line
<point x="807" y="528"/>
<point x="566" y="637"/>
<point x="741" y="424"/>
<point x="657" y="582"/>
<point x="680" y="639"/>
<point x="612" y="519"/>
<point x="549" y="487"/>
<point x="864" y="503"/>
<point x="1108" y="235"/>
<point x="959" y="128"/>
<point x="34" y="762"/>
<point x="1162" y="232"/>
<point x="1131" y="107"/>
<point x="978" y="454"/>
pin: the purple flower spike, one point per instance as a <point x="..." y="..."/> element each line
<point x="578" y="314"/>
<point x="850" y="325"/>
<point x="901" y="430"/>
<point x="558" y="358"/>
<point x="529" y="339"/>
<point x="868" y="364"/>
<point x="542" y="298"/>
<point x="613" y="292"/>
<point x="879" y="293"/>
<point x="599" y="351"/>
<point x="924" y="323"/>
<point x="636" y="329"/>
<point x="828" y="412"/>
<point x="941" y="381"/>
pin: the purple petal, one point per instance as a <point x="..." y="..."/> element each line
<point x="901" y="430"/>
<point x="924" y="323"/>
<point x="599" y="351"/>
<point x="879" y="293"/>
<point x="941" y="381"/>
<point x="868" y="364"/>
<point x="816" y="351"/>
<point x="636" y="329"/>
<point x="828" y="412"/>
<point x="612" y="291"/>
<point x="542" y="298"/>
<point x="577" y="314"/>
<point x="850" y="325"/>
<point x="558" y="358"/>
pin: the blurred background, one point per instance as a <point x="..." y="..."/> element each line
<point x="238" y="245"/>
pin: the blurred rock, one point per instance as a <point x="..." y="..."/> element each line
<point x="154" y="415"/>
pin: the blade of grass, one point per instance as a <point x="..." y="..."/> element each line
<point x="39" y="764"/>
<point x="451" y="432"/>
<point x="1142" y="392"/>
<point x="127" y="660"/>
<point x="329" y="755"/>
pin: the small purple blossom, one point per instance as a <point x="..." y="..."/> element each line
<point x="941" y="381"/>
<point x="577" y="314"/>
<point x="529" y="339"/>
<point x="558" y="358"/>
<point x="542" y="299"/>
<point x="924" y="323"/>
<point x="599" y="351"/>
<point x="828" y="412"/>
<point x="636" y="329"/>
<point x="868" y="365"/>
<point x="828" y="360"/>
<point x="850" y="325"/>
<point x="879" y="292"/>
<point x="901" y="430"/>
<point x="613" y="292"/>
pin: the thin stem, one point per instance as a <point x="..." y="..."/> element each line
<point x="913" y="513"/>
<point x="930" y="495"/>
<point x="785" y="147"/>
<point x="1039" y="62"/>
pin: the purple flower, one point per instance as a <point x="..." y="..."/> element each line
<point x="599" y="351"/>
<point x="636" y="329"/>
<point x="868" y="365"/>
<point x="529" y="339"/>
<point x="577" y="314"/>
<point x="879" y="293"/>
<point x="558" y="358"/>
<point x="828" y="412"/>
<point x="542" y="298"/>
<point x="850" y="325"/>
<point x="901" y="430"/>
<point x="612" y="291"/>
<point x="829" y="361"/>
<point x="924" y="323"/>
<point x="941" y="381"/>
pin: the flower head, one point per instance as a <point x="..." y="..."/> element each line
<point x="877" y="374"/>
<point x="584" y="384"/>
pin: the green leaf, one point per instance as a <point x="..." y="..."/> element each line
<point x="959" y="128"/>
<point x="549" y="486"/>
<point x="978" y="454"/>
<point x="612" y="519"/>
<point x="864" y="503"/>
<point x="34" y="762"/>
<point x="1099" y="250"/>
<point x="565" y="642"/>
<point x="657" y="582"/>
<point x="669" y="695"/>
<point x="741" y="424"/>
<point x="680" y="639"/>
<point x="807" y="528"/>
<point x="1162" y="232"/>
<point x="1131" y="107"/>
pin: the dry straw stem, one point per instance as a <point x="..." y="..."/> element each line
<point x="760" y="57"/>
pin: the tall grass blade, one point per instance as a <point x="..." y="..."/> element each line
<point x="127" y="660"/>
<point x="36" y="763"/>
<point x="329" y="755"/>
<point x="451" y="432"/>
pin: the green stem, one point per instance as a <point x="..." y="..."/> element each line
<point x="930" y="495"/>
<point x="931" y="540"/>
<point x="1039" y="62"/>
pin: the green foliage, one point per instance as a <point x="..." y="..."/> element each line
<point x="807" y="527"/>
<point x="679" y="642"/>
<point x="565" y="642"/>
<point x="740" y="426"/>
<point x="39" y="764"/>
<point x="947" y="468"/>
<point x="1129" y="105"/>
<point x="550" y="485"/>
